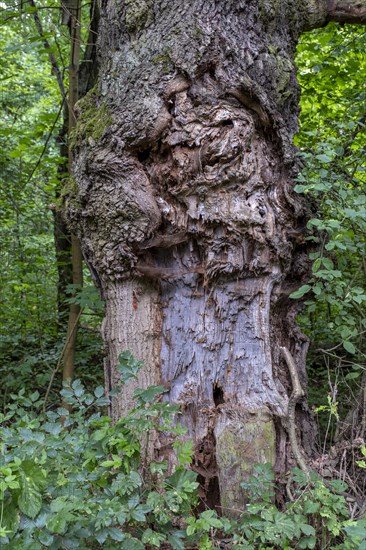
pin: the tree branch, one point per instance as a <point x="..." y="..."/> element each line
<point x="350" y="11"/>
<point x="321" y="12"/>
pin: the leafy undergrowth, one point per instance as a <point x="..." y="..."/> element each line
<point x="76" y="480"/>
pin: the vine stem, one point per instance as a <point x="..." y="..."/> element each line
<point x="297" y="393"/>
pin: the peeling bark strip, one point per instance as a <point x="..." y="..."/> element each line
<point x="184" y="205"/>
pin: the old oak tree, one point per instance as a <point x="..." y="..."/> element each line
<point x="183" y="200"/>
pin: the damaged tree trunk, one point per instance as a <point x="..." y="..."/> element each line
<point x="185" y="168"/>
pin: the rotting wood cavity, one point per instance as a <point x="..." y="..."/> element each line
<point x="205" y="465"/>
<point x="218" y="395"/>
<point x="144" y="154"/>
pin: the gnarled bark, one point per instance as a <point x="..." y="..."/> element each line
<point x="186" y="213"/>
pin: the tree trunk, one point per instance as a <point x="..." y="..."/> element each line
<point x="185" y="168"/>
<point x="61" y="232"/>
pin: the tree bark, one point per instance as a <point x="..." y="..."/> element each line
<point x="185" y="168"/>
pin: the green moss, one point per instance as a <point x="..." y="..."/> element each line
<point x="69" y="192"/>
<point x="94" y="118"/>
<point x="198" y="33"/>
<point x="138" y="14"/>
<point x="164" y="58"/>
<point x="238" y="448"/>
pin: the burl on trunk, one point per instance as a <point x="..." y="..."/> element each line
<point x="184" y="205"/>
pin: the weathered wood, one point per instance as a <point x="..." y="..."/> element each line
<point x="185" y="168"/>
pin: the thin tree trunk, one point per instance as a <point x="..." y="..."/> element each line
<point x="61" y="232"/>
<point x="76" y="254"/>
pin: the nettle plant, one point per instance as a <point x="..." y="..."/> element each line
<point x="76" y="480"/>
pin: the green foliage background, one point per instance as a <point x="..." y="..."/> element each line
<point x="332" y="72"/>
<point x="31" y="336"/>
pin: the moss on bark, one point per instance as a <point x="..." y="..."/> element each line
<point x="138" y="14"/>
<point x="93" y="119"/>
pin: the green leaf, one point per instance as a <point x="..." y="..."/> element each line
<point x="99" y="391"/>
<point x="301" y="292"/>
<point x="307" y="529"/>
<point x="34" y="473"/>
<point x="152" y="537"/>
<point x="30" y="499"/>
<point x="311" y="507"/>
<point x="324" y="158"/>
<point x="116" y="534"/>
<point x="176" y="540"/>
<point x="352" y="375"/>
<point x="138" y="514"/>
<point x="56" y="524"/>
<point x="101" y="536"/>
<point x="307" y="542"/>
<point x="128" y="367"/>
<point x="132" y="544"/>
<point x="348" y="346"/>
<point x="356" y="529"/>
<point x="147" y="396"/>
<point x="338" y="485"/>
<point x="46" y="538"/>
<point x="179" y="478"/>
<point x="10" y="518"/>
